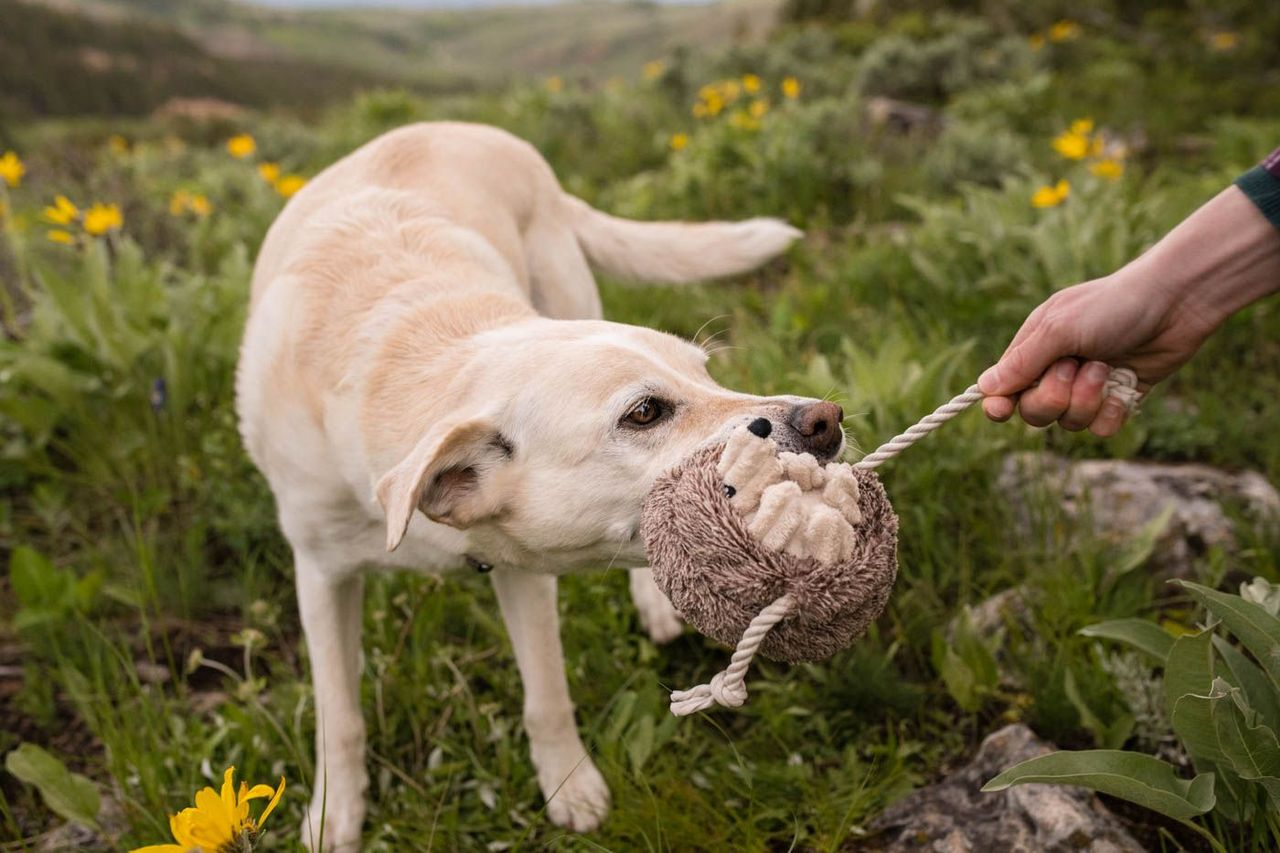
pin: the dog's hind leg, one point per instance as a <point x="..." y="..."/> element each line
<point x="331" y="610"/>
<point x="577" y="796"/>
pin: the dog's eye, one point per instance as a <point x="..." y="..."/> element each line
<point x="646" y="413"/>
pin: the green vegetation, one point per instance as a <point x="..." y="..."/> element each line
<point x="148" y="599"/>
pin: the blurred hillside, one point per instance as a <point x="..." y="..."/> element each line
<point x="65" y="57"/>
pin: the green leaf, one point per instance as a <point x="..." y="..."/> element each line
<point x="1257" y="629"/>
<point x="68" y="794"/>
<point x="1144" y="636"/>
<point x="1247" y="746"/>
<point x="1263" y="697"/>
<point x="1132" y="776"/>
<point x="1188" y="680"/>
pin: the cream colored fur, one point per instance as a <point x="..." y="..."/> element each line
<point x="425" y="376"/>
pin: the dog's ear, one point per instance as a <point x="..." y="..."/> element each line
<point x="446" y="476"/>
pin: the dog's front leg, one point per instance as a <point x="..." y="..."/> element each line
<point x="331" y="610"/>
<point x="576" y="793"/>
<point x="658" y="616"/>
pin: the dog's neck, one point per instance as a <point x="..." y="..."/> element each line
<point x="413" y="374"/>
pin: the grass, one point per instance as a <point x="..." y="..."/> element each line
<point x="162" y="642"/>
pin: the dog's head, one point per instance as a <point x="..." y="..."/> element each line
<point x="557" y="430"/>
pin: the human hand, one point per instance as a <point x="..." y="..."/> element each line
<point x="1057" y="366"/>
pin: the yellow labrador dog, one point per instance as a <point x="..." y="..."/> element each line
<point x="427" y="384"/>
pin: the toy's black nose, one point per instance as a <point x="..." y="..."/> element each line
<point x="818" y="425"/>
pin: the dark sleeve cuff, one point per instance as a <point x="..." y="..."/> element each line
<point x="1263" y="189"/>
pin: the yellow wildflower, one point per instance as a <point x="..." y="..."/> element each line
<point x="1035" y="41"/>
<point x="679" y="141"/>
<point x="758" y="108"/>
<point x="743" y="120"/>
<point x="1110" y="168"/>
<point x="1082" y="126"/>
<point x="58" y="235"/>
<point x="117" y="144"/>
<point x="730" y="90"/>
<point x="1224" y="41"/>
<point x="1064" y="31"/>
<point x="11" y="169"/>
<point x="101" y="218"/>
<point x="791" y="88"/>
<point x="1073" y="146"/>
<point x="699" y="110"/>
<point x="713" y="102"/>
<point x="179" y="202"/>
<point x="289" y="185"/>
<point x="219" y="822"/>
<point x="1051" y="196"/>
<point x="241" y="146"/>
<point x="653" y="70"/>
<point x="61" y="212"/>
<point x="554" y="84"/>
<point x="200" y="205"/>
<point x="270" y="172"/>
<point x="751" y="83"/>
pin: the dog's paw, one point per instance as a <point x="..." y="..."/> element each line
<point x="579" y="802"/>
<point x="658" y="616"/>
<point x="339" y="832"/>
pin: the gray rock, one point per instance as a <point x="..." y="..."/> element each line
<point x="1117" y="499"/>
<point x="954" y="816"/>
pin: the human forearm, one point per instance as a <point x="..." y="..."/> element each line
<point x="1223" y="257"/>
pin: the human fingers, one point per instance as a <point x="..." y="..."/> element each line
<point x="1047" y="401"/>
<point x="1086" y="396"/>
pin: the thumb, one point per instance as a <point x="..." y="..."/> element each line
<point x="1021" y="365"/>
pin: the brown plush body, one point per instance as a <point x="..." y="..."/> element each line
<point x="720" y="577"/>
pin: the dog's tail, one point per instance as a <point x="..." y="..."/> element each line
<point x="675" y="251"/>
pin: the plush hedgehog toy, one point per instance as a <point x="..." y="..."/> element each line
<point x="777" y="554"/>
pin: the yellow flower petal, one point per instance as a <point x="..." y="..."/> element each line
<point x="160" y="848"/>
<point x="61" y="212"/>
<point x="101" y="218"/>
<point x="1073" y="146"/>
<point x="1082" y="126"/>
<point x="791" y="88"/>
<point x="271" y="806"/>
<point x="653" y="70"/>
<point x="57" y="235"/>
<point x="241" y="146"/>
<point x="1109" y="169"/>
<point x="270" y="172"/>
<point x="1064" y="31"/>
<point x="679" y="141"/>
<point x="289" y="185"/>
<point x="751" y="82"/>
<point x="11" y="169"/>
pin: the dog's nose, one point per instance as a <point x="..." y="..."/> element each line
<point x="818" y="425"/>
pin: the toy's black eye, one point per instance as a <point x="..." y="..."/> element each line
<point x="647" y="412"/>
<point x="729" y="491"/>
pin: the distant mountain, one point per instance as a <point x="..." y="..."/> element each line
<point x="480" y="45"/>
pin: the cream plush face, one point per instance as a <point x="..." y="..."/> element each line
<point x="568" y="425"/>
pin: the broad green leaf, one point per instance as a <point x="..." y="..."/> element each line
<point x="36" y="581"/>
<point x="70" y="795"/>
<point x="1144" y="636"/>
<point x="1188" y="669"/>
<point x="1188" y="679"/>
<point x="1132" y="776"/>
<point x="1262" y="695"/>
<point x="1257" y="629"/>
<point x="1248" y="747"/>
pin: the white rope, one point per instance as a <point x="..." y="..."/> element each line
<point x="729" y="687"/>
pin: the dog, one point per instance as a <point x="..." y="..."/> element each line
<point x="427" y="384"/>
